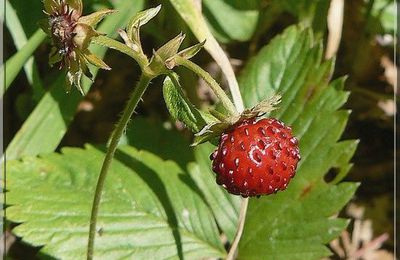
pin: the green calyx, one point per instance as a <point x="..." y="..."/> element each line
<point x="224" y="123"/>
<point x="207" y="126"/>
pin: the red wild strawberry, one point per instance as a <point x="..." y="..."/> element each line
<point x="256" y="158"/>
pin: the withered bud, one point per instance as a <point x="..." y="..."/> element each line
<point x="71" y="34"/>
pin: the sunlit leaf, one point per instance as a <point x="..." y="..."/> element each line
<point x="151" y="209"/>
<point x="297" y="223"/>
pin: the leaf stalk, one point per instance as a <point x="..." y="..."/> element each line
<point x="221" y="95"/>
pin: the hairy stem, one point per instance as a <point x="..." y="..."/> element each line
<point x="216" y="88"/>
<point x="115" y="137"/>
<point x="239" y="231"/>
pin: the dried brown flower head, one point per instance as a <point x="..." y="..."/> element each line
<point x="71" y="34"/>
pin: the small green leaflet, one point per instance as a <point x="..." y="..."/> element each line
<point x="180" y="107"/>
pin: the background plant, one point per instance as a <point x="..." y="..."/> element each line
<point x="194" y="236"/>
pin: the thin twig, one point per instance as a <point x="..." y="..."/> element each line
<point x="114" y="140"/>
<point x="239" y="231"/>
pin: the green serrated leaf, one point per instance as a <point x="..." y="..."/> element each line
<point x="179" y="106"/>
<point x="296" y="223"/>
<point x="150" y="208"/>
<point x="169" y="144"/>
<point x="158" y="138"/>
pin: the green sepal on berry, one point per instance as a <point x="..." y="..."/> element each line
<point x="207" y="125"/>
<point x="215" y="129"/>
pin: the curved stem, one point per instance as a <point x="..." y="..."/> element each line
<point x="239" y="231"/>
<point x="221" y="95"/>
<point x="108" y="42"/>
<point x="115" y="137"/>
